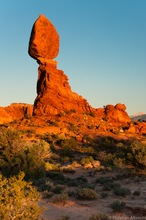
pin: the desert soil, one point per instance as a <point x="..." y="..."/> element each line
<point x="75" y="209"/>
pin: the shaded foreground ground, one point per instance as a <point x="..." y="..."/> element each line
<point x="82" y="209"/>
<point x="74" y="208"/>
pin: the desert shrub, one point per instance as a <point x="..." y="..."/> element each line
<point x="89" y="139"/>
<point x="80" y="181"/>
<point x="86" y="193"/>
<point x="137" y="153"/>
<point x="71" y="127"/>
<point x="136" y="193"/>
<point x="36" y="157"/>
<point x="118" y="206"/>
<point x="53" y="123"/>
<point x="104" y="180"/>
<point x="47" y="137"/>
<point x="61" y="198"/>
<point x="65" y="152"/>
<point x="71" y="193"/>
<point x="99" y="216"/>
<point x="18" y="155"/>
<point x="8" y="136"/>
<point x="104" y="195"/>
<point x="56" y="176"/>
<point x="68" y="169"/>
<point x="87" y="149"/>
<point x="30" y="133"/>
<point x="120" y="154"/>
<point x="107" y="158"/>
<point x="58" y="189"/>
<point x="110" y="186"/>
<point x="137" y="179"/>
<point x="122" y="191"/>
<point x="107" y="186"/>
<point x="70" y="143"/>
<point x="119" y="162"/>
<point x="18" y="199"/>
<point x="86" y="160"/>
<point x="50" y="166"/>
<point x="92" y="114"/>
<point x="66" y="148"/>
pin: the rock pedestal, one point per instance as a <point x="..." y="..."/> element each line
<point x="54" y="93"/>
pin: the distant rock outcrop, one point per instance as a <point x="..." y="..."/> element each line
<point x="117" y="113"/>
<point x="15" y="111"/>
<point x="138" y="117"/>
<point x="54" y="94"/>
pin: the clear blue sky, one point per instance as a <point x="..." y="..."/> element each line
<point x="102" y="49"/>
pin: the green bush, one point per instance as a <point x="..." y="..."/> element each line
<point x="136" y="193"/>
<point x="120" y="154"/>
<point x="70" y="143"/>
<point x="18" y="199"/>
<point x="18" y="155"/>
<point x="67" y="147"/>
<point x="118" y="206"/>
<point x="104" y="195"/>
<point x="58" y="189"/>
<point x="8" y="136"/>
<point x="80" y="181"/>
<point x="110" y="186"/>
<point x="56" y="177"/>
<point x="137" y="153"/>
<point x="61" y="198"/>
<point x="86" y="193"/>
<point x="86" y="160"/>
<point x="68" y="169"/>
<point x="122" y="191"/>
<point x="104" y="180"/>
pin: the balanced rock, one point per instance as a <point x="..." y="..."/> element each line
<point x="44" y="40"/>
<point x="54" y="94"/>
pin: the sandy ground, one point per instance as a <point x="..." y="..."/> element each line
<point x="75" y="209"/>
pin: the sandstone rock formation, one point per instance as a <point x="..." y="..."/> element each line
<point x="117" y="113"/>
<point x="15" y="111"/>
<point x="54" y="94"/>
<point x="44" y="40"/>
